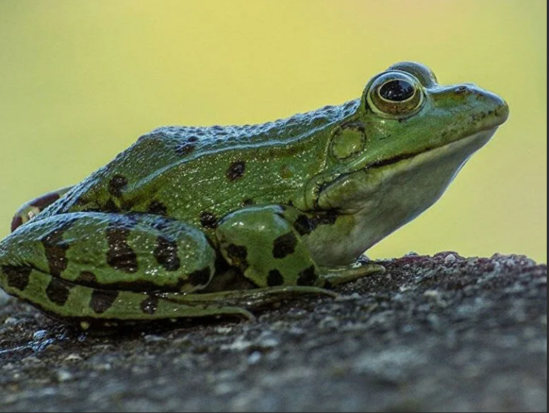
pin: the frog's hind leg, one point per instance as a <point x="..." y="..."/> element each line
<point x="140" y="252"/>
<point x="91" y="265"/>
<point x="32" y="208"/>
<point x="339" y="275"/>
<point x="252" y="299"/>
<point x="83" y="305"/>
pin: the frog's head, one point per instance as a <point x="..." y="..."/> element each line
<point x="407" y="140"/>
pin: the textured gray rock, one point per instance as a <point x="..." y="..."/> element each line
<point x="432" y="333"/>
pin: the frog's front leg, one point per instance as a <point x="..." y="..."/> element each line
<point x="265" y="245"/>
<point x="32" y="208"/>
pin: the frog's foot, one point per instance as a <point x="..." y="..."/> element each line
<point x="344" y="274"/>
<point x="30" y="209"/>
<point x="85" y="306"/>
<point x="249" y="299"/>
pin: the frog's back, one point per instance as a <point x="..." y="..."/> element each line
<point x="194" y="161"/>
<point x="193" y="141"/>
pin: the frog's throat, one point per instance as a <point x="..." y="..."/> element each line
<point x="383" y="199"/>
<point x="411" y="183"/>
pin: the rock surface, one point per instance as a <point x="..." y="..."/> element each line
<point x="441" y="333"/>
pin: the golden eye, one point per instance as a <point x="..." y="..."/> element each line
<point x="395" y="95"/>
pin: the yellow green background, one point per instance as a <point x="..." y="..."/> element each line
<point x="80" y="81"/>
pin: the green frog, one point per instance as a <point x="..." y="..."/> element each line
<point x="219" y="221"/>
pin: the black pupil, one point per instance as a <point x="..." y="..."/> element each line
<point x="396" y="90"/>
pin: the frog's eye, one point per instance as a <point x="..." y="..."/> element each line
<point x="396" y="90"/>
<point x="395" y="95"/>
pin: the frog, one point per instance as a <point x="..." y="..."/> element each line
<point x="220" y="221"/>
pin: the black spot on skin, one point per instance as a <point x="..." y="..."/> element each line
<point x="237" y="254"/>
<point x="166" y="254"/>
<point x="200" y="277"/>
<point x="248" y="202"/>
<point x="110" y="206"/>
<point x="56" y="248"/>
<point x="236" y="170"/>
<point x="308" y="276"/>
<point x="17" y="275"/>
<point x="127" y="205"/>
<point x="274" y="278"/>
<point x="185" y="149"/>
<point x="117" y="185"/>
<point x="284" y="245"/>
<point x="102" y="300"/>
<point x="45" y="200"/>
<point x="150" y="304"/>
<point x="120" y="255"/>
<point x="329" y="218"/>
<point x="192" y="139"/>
<point x="86" y="278"/>
<point x="303" y="225"/>
<point x="16" y="222"/>
<point x="208" y="220"/>
<point x="58" y="291"/>
<point x="157" y="208"/>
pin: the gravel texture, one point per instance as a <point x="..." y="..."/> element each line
<point x="440" y="333"/>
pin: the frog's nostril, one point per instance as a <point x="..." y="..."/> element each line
<point x="465" y="88"/>
<point x="502" y="111"/>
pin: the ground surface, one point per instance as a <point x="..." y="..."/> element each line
<point x="432" y="333"/>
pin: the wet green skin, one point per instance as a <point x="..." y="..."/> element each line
<point x="194" y="221"/>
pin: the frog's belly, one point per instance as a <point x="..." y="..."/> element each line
<point x="390" y="198"/>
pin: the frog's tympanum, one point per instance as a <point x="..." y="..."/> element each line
<point x="207" y="221"/>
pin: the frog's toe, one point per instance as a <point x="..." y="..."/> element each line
<point x="239" y="312"/>
<point x="245" y="300"/>
<point x="340" y="275"/>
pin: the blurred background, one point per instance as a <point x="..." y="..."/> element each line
<point x="80" y="81"/>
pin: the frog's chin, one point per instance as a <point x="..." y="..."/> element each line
<point x="383" y="199"/>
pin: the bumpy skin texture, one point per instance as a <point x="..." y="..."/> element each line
<point x="195" y="221"/>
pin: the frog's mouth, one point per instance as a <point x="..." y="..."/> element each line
<point x="410" y="182"/>
<point x="432" y="151"/>
<point x="500" y="115"/>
